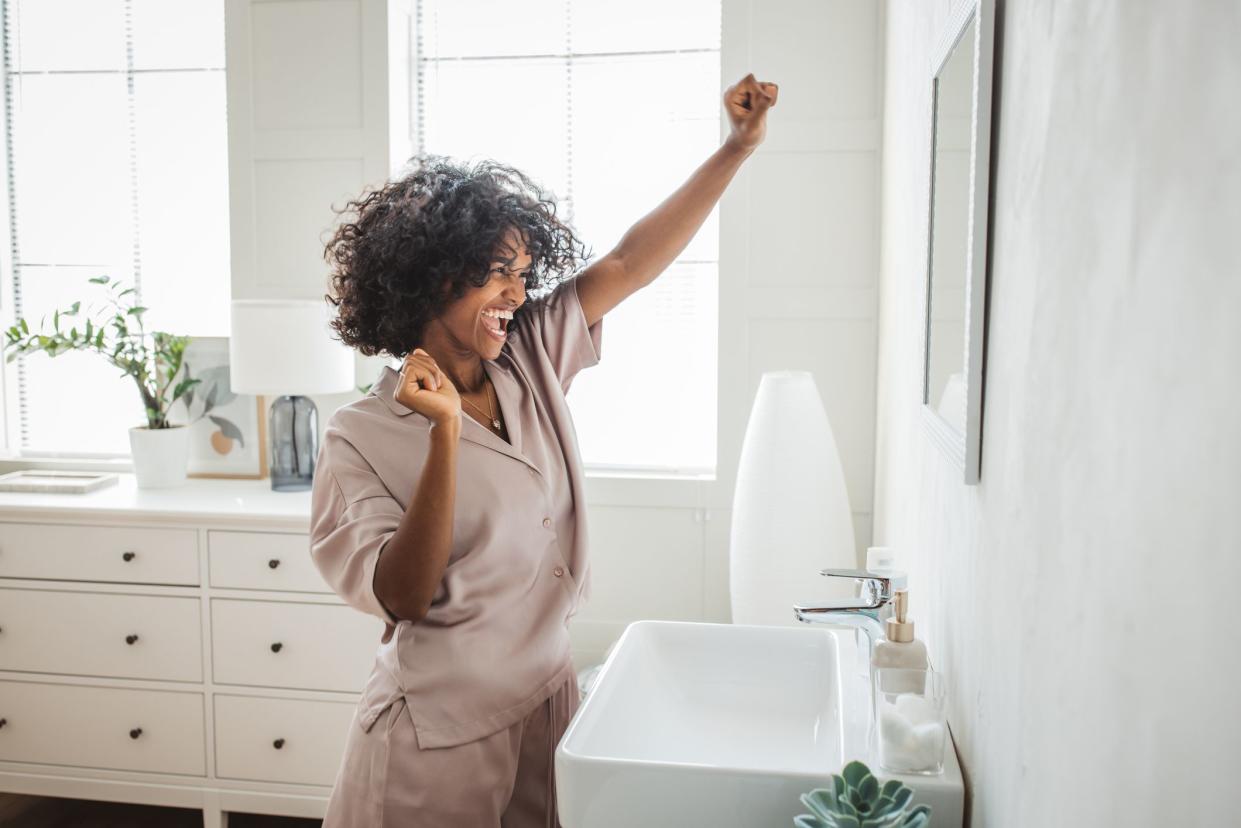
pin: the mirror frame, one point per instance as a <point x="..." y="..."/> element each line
<point x="965" y="450"/>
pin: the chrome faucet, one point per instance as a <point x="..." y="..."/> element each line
<point x="863" y="613"/>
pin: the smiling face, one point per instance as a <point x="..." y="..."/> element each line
<point x="478" y="320"/>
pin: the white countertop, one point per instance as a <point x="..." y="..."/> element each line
<point x="199" y="499"/>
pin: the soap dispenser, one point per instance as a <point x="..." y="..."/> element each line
<point x="899" y="648"/>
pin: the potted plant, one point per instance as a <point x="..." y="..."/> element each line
<point x="857" y="800"/>
<point x="160" y="449"/>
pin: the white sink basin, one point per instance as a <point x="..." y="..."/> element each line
<point x="723" y="725"/>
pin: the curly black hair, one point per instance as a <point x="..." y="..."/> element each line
<point x="418" y="241"/>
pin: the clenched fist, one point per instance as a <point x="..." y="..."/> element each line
<point x="746" y="103"/>
<point x="423" y="387"/>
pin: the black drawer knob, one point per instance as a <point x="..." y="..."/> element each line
<point x="274" y="562"/>
<point x="129" y="556"/>
<point x="279" y="743"/>
<point x="3" y="722"/>
<point x="135" y="733"/>
<point x="131" y="638"/>
<point x="275" y="648"/>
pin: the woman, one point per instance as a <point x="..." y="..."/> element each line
<point x="465" y="533"/>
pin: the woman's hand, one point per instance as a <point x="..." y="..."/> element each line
<point x="423" y="387"/>
<point x="746" y="103"/>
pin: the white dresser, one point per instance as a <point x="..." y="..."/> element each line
<point x="174" y="647"/>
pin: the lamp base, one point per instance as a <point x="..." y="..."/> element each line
<point x="294" y="434"/>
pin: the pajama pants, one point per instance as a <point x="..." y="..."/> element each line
<point x="500" y="781"/>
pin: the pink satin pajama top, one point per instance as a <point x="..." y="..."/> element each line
<point x="495" y="642"/>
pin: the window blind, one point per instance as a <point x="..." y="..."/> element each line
<point x="116" y="163"/>
<point x="612" y="107"/>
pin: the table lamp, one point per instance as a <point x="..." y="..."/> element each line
<point x="284" y="348"/>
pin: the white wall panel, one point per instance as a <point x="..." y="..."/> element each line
<point x="307" y="65"/>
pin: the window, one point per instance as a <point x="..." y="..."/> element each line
<point x="612" y="113"/>
<point x="117" y="163"/>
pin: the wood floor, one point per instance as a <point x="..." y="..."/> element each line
<point x="41" y="812"/>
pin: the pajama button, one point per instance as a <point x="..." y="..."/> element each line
<point x="558" y="571"/>
<point x="547" y="522"/>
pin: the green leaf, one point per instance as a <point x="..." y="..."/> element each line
<point x="854" y="773"/>
<point x="919" y="817"/>
<point x="182" y="388"/>
<point x="869" y="790"/>
<point x="56" y="320"/>
<point x="820" y="801"/>
<point x="25" y="328"/>
<point x="136" y="310"/>
<point x="807" y="821"/>
<point x="99" y="280"/>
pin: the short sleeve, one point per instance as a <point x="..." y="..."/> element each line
<point x="555" y="327"/>
<point x="352" y="516"/>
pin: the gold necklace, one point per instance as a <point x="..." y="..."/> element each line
<point x="495" y="422"/>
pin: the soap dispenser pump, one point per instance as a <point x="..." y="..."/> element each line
<point x="899" y="648"/>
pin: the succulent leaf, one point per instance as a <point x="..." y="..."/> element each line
<point x="820" y="802"/>
<point x="868" y="792"/>
<point x="854" y="773"/>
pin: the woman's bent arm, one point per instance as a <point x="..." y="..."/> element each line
<point x="412" y="562"/>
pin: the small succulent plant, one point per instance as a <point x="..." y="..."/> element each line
<point x="857" y="800"/>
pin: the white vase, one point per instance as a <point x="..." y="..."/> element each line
<point x="791" y="514"/>
<point x="160" y="455"/>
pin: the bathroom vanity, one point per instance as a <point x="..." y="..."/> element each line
<point x="174" y="647"/>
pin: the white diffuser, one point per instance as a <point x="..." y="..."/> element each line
<point x="791" y="514"/>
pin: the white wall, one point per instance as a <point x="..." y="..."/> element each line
<point x="1080" y="598"/>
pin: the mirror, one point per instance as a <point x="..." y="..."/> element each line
<point x="957" y="251"/>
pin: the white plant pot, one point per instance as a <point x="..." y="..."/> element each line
<point x="160" y="455"/>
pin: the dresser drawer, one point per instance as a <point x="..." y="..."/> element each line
<point x="117" y="554"/>
<point x="308" y="646"/>
<point x="95" y="634"/>
<point x="263" y="560"/>
<point x="280" y="740"/>
<point x="102" y="727"/>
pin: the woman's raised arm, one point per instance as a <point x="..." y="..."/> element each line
<point x="655" y="241"/>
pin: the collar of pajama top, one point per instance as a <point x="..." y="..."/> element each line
<point x="495" y="642"/>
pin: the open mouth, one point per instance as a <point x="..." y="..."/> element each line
<point x="495" y="321"/>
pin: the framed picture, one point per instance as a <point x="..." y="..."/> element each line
<point x="228" y="436"/>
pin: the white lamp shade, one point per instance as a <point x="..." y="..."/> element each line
<point x="284" y="346"/>
<point x="791" y="514"/>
